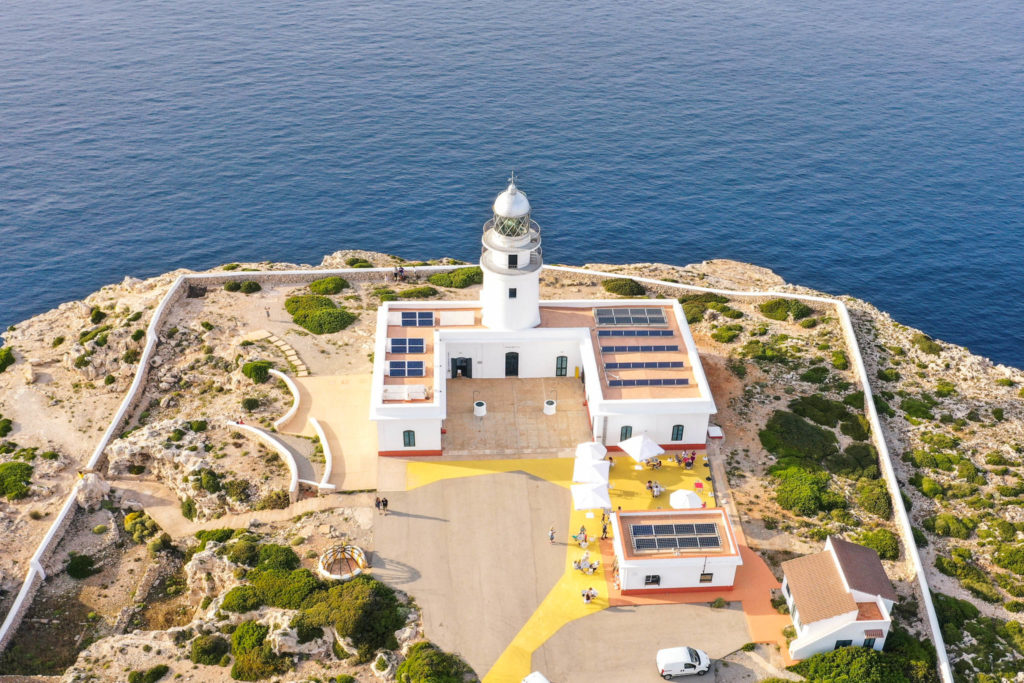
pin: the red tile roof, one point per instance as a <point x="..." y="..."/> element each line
<point x="817" y="589"/>
<point x="862" y="569"/>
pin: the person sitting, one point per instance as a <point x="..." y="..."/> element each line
<point x="650" y="486"/>
<point x="592" y="567"/>
<point x="656" y="464"/>
<point x="679" y="459"/>
<point x="577" y="564"/>
<point x="689" y="463"/>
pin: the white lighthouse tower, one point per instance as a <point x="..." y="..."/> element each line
<point x="511" y="261"/>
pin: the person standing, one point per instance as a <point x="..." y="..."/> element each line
<point x="604" y="530"/>
<point x="384" y="505"/>
<point x="376" y="504"/>
<point x="551" y="535"/>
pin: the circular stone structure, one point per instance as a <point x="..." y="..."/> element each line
<point x="341" y="563"/>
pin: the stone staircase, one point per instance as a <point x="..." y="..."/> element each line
<point x="290" y="354"/>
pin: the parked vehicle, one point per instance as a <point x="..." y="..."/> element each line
<point x="536" y="677"/>
<point x="682" y="661"/>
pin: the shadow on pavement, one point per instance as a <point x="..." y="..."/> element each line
<point x="392" y="571"/>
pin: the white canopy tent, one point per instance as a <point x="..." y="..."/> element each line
<point x="641" y="447"/>
<point x="590" y="496"/>
<point x="587" y="471"/>
<point x="592" y="450"/>
<point x="685" y="500"/>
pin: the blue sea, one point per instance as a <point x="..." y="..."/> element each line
<point x="863" y="147"/>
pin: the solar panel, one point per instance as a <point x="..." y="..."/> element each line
<point x="634" y="333"/>
<point x="668" y="542"/>
<point x="684" y="529"/>
<point x="709" y="542"/>
<point x="687" y="542"/>
<point x="663" y="530"/>
<point x="645" y="544"/>
<point x="630" y="316"/>
<point x="647" y="382"/>
<point x="634" y="349"/>
<point x="642" y="530"/>
<point x="706" y="529"/>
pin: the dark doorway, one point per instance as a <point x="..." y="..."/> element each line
<point x="462" y="367"/>
<point x="561" y="366"/>
<point x="512" y="364"/>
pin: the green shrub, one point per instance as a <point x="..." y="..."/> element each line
<point x="804" y="492"/>
<point x="883" y="542"/>
<point x="250" y="404"/>
<point x="109" y="379"/>
<point x="1010" y="557"/>
<point x="209" y="649"/>
<point x="944" y="388"/>
<point x="275" y="500"/>
<point x="726" y="333"/>
<point x="241" y="599"/>
<point x="99" y="529"/>
<point x="258" y="664"/>
<point x="232" y="286"/>
<point x="859" y="664"/>
<point x="423" y="292"/>
<point x="799" y="309"/>
<point x="873" y="497"/>
<point x="249" y="287"/>
<point x="198" y="425"/>
<point x="131" y="356"/>
<point x="856" y="427"/>
<point x="888" y="375"/>
<point x="140" y="526"/>
<point x="840" y="360"/>
<point x="459" y="278"/>
<point x="96" y="316"/>
<point x="808" y="323"/>
<point x="857" y="461"/>
<point x="258" y="370"/>
<point x="324" y="321"/>
<point x="274" y="556"/>
<point x="283" y="588"/>
<point x="364" y="610"/>
<point x="244" y="552"/>
<point x="790" y="437"/>
<point x="624" y="287"/>
<point x="57" y="341"/>
<point x="81" y="567"/>
<point x="237" y="489"/>
<point x="188" y="509"/>
<point x="5" y="426"/>
<point x="938" y="441"/>
<point x="208" y="480"/>
<point x="6" y="358"/>
<point x="928" y="486"/>
<point x="776" y="309"/>
<point x="916" y="408"/>
<point x="328" y="285"/>
<point x="427" y="663"/>
<point x="304" y="630"/>
<point x="773" y="350"/>
<point x="357" y="262"/>
<point x="925" y="343"/>
<point x="816" y="375"/>
<point x="15" y="478"/>
<point x="248" y="636"/>
<point x="149" y="675"/>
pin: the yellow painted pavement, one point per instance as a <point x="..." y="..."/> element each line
<point x="564" y="603"/>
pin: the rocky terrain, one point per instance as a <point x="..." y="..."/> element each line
<point x="953" y="421"/>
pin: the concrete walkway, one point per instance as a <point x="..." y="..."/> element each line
<point x="341" y="404"/>
<point x="163" y="506"/>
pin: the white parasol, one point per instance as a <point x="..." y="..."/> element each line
<point x="590" y="496"/>
<point x="592" y="450"/>
<point x="684" y="500"/>
<point x="587" y="471"/>
<point x="641" y="447"/>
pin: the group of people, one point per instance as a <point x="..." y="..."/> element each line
<point x="589" y="595"/>
<point x="654" y="463"/>
<point x="654" y="488"/>
<point x="686" y="460"/>
<point x="381" y="504"/>
<point x="399" y="274"/>
<point x="585" y="565"/>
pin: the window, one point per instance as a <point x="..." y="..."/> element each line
<point x="785" y="588"/>
<point x="677" y="432"/>
<point x="405" y="368"/>
<point x="561" y="366"/>
<point x="869" y="642"/>
<point x="417" y="319"/>
<point x="706" y="577"/>
<point x="513" y="260"/>
<point x="625" y="433"/>
<point x="842" y="643"/>
<point x="652" y="580"/>
<point x="410" y="345"/>
<point x="408" y="438"/>
<point x="511" y="292"/>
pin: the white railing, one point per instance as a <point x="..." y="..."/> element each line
<point x="295" y="395"/>
<point x="325" y="479"/>
<point x="902" y="518"/>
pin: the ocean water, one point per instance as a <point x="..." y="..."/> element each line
<point x="862" y="147"/>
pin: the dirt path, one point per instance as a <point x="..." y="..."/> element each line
<point x="163" y="506"/>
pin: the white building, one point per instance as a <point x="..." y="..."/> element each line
<point x="674" y="551"/>
<point x="837" y="598"/>
<point x="636" y="358"/>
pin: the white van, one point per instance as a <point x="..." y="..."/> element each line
<point x="682" y="661"/>
<point x="536" y="677"/>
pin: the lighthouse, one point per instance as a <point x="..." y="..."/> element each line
<point x="511" y="263"/>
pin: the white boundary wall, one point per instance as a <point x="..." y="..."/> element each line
<point x="35" y="574"/>
<point x="902" y="518"/>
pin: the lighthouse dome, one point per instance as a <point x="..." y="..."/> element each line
<point x="512" y="203"/>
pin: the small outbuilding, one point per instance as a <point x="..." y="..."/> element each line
<point x="838" y="598"/>
<point x="674" y="551"/>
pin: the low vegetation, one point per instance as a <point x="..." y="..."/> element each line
<point x="696" y="305"/>
<point x="427" y="663"/>
<point x="781" y="309"/>
<point x="258" y="370"/>
<point x="318" y="314"/>
<point x="15" y="478"/>
<point x="623" y="286"/>
<point x="459" y="278"/>
<point x="6" y="358"/>
<point x="328" y="285"/>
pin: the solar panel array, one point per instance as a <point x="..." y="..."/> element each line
<point x="417" y="318"/>
<point x="635" y="333"/>
<point x="636" y="365"/>
<point x="630" y="316"/>
<point x="410" y="345"/>
<point x="633" y="349"/>
<point x="405" y="368"/>
<point x="675" y="536"/>
<point x="674" y="382"/>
